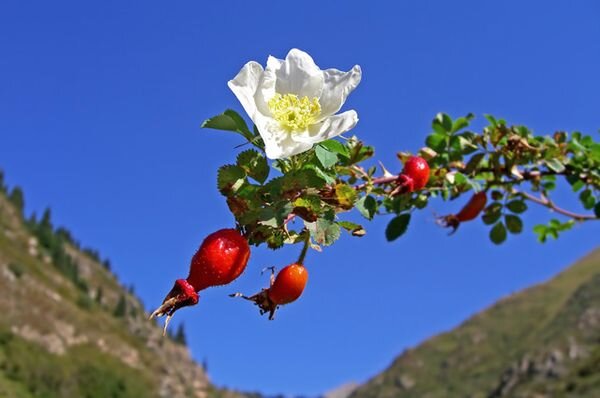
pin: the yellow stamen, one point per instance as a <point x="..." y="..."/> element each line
<point x="293" y="113"/>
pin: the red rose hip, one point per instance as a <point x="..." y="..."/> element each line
<point x="221" y="258"/>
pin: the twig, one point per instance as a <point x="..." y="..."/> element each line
<point x="544" y="201"/>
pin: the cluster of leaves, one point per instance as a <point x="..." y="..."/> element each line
<point x="509" y="162"/>
<point x="314" y="186"/>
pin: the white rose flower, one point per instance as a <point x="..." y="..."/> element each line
<point x="294" y="103"/>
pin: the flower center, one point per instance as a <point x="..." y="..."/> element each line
<point x="293" y="113"/>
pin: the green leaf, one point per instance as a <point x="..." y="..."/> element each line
<point x="462" y="122"/>
<point x="345" y="195"/>
<point x="492" y="120"/>
<point x="367" y="206"/>
<point x="254" y="164"/>
<point x="498" y="233"/>
<point x="587" y="199"/>
<point x="397" y="227"/>
<point x="555" y="165"/>
<point x="229" y="120"/>
<point x="323" y="231"/>
<point x="517" y="206"/>
<point x="474" y="162"/>
<point x="327" y="158"/>
<point x="353" y="228"/>
<point x="597" y="210"/>
<point x="514" y="224"/>
<point x="329" y="178"/>
<point x="577" y="185"/>
<point x="595" y="152"/>
<point x="442" y="123"/>
<point x="436" y="141"/>
<point x="492" y="213"/>
<point x="230" y="179"/>
<point x="541" y="231"/>
<point x="336" y="147"/>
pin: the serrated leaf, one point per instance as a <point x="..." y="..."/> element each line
<point x="514" y="224"/>
<point x="517" y="206"/>
<point x="345" y="195"/>
<point x="229" y="120"/>
<point x="325" y="176"/>
<point x="230" y="178"/>
<point x="336" y="147"/>
<point x="367" y="206"/>
<point x="300" y="180"/>
<point x="327" y="158"/>
<point x="397" y="227"/>
<point x="254" y="164"/>
<point x="275" y="215"/>
<point x="323" y="231"/>
<point x="498" y="233"/>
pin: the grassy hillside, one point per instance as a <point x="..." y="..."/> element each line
<point x="70" y="330"/>
<point x="542" y="342"/>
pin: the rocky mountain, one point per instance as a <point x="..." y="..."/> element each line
<point x="70" y="329"/>
<point x="540" y="343"/>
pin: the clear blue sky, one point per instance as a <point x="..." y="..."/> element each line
<point x="100" y="106"/>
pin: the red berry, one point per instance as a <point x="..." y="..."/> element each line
<point x="469" y="212"/>
<point x="221" y="258"/>
<point x="416" y="173"/>
<point x="284" y="289"/>
<point x="473" y="207"/>
<point x="289" y="284"/>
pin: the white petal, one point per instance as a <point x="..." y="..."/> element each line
<point x="328" y="128"/>
<point x="278" y="142"/>
<point x="337" y="86"/>
<point x="298" y="75"/>
<point x="266" y="85"/>
<point x="245" y="84"/>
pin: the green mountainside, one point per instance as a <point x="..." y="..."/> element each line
<point x="69" y="329"/>
<point x="541" y="342"/>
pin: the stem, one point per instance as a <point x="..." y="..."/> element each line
<point x="549" y="204"/>
<point x="304" y="249"/>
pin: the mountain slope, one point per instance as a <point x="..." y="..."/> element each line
<point x="69" y="329"/>
<point x="542" y="342"/>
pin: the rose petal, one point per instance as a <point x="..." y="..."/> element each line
<point x="279" y="143"/>
<point x="298" y="75"/>
<point x="337" y="86"/>
<point x="244" y="85"/>
<point x="328" y="128"/>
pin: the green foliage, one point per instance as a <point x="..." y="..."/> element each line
<point x="83" y="372"/>
<point x="523" y="346"/>
<point x="180" y="337"/>
<point x="397" y="227"/>
<point x="510" y="162"/>
<point x="17" y="198"/>
<point x="121" y="308"/>
<point x="17" y="269"/>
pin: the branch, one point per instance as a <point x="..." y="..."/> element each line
<point x="544" y="201"/>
